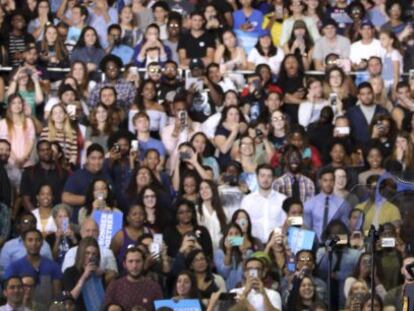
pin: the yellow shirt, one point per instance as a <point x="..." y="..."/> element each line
<point x="388" y="212"/>
<point x="275" y="31"/>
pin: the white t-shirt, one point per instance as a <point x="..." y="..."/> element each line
<point x="257" y="300"/>
<point x="361" y="51"/>
<point x="274" y="62"/>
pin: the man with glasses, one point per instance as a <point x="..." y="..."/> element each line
<point x="254" y="292"/>
<point x="13" y="291"/>
<point x="111" y="65"/>
<point x="171" y="83"/>
<point x="14" y="249"/>
<point x="29" y="284"/>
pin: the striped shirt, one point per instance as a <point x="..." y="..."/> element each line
<point x="68" y="145"/>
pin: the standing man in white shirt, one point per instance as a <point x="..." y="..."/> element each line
<point x="364" y="49"/>
<point x="265" y="205"/>
<point x="257" y="296"/>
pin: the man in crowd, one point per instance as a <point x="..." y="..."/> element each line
<point x="326" y="206"/>
<point x="74" y="192"/>
<point x="293" y="183"/>
<point x="265" y="205"/>
<point x="14" y="249"/>
<point x="329" y="43"/>
<point x="13" y="291"/>
<point x="134" y="289"/>
<point x="45" y="270"/>
<point x="254" y="292"/>
<point x="46" y="170"/>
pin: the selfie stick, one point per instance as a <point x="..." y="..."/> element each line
<point x="373" y="236"/>
<point x="329" y="244"/>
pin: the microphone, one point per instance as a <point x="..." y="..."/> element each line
<point x="332" y="240"/>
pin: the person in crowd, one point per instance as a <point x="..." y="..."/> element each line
<point x="111" y="65"/>
<point x="74" y="192"/>
<point x="34" y="264"/>
<point x="133" y="289"/>
<point x="44" y="171"/>
<point x="361" y="115"/>
<point x="133" y="228"/>
<point x="43" y="212"/>
<point x="13" y="292"/>
<point x="293" y="183"/>
<point x="88" y="49"/>
<point x="107" y="262"/>
<point x="229" y="54"/>
<point x="198" y="43"/>
<point x="185" y="286"/>
<point x="83" y="280"/>
<point x="325" y="207"/>
<point x="14" y="249"/>
<point x="271" y="214"/>
<point x="330" y="42"/>
<point x="254" y="291"/>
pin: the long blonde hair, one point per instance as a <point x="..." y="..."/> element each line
<point x="67" y="127"/>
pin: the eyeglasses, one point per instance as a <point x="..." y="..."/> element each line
<point x="154" y="70"/>
<point x="149" y="196"/>
<point x="278" y="118"/>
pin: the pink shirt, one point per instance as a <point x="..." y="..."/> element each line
<point x="21" y="140"/>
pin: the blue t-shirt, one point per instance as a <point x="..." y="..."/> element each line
<point x="78" y="183"/>
<point x="247" y="39"/>
<point x="151" y="143"/>
<point x="22" y="267"/>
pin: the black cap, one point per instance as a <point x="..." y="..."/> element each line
<point x="196" y="63"/>
<point x="329" y="22"/>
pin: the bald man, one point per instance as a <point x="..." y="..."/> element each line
<point x="107" y="264"/>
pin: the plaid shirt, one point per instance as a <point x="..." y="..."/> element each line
<point x="284" y="184"/>
<point x="125" y="93"/>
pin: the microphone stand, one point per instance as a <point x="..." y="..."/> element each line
<point x="373" y="237"/>
<point x="329" y="245"/>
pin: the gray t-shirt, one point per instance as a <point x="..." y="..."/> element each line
<point x="323" y="48"/>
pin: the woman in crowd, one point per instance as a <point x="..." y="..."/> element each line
<point x="303" y="294"/>
<point x="44" y="17"/>
<point x="99" y="197"/>
<point x="79" y="71"/>
<point x="59" y="129"/>
<point x="25" y="82"/>
<point x="241" y="218"/>
<point x="52" y="51"/>
<point x="228" y="258"/>
<point x="337" y="83"/>
<point x="88" y="49"/>
<point x="296" y="11"/>
<point x="374" y="161"/>
<point x="65" y="236"/>
<point x="185" y="286"/>
<point x="186" y="232"/>
<point x="340" y="188"/>
<point x="227" y="132"/>
<point x="383" y="130"/>
<point x="151" y="49"/>
<point x="134" y="227"/>
<point x="19" y="130"/>
<point x="204" y="148"/>
<point x="403" y="153"/>
<point x="380" y="93"/>
<point x="391" y="59"/>
<point x="83" y="280"/>
<point x="189" y="187"/>
<point x="100" y="128"/>
<point x="310" y="110"/>
<point x="43" y="213"/>
<point x="131" y="34"/>
<point x="300" y="43"/>
<point x="265" y="52"/>
<point x="158" y="217"/>
<point x="207" y="282"/>
<point x="228" y="54"/>
<point x="147" y="101"/>
<point x="210" y="213"/>
<point x="291" y="80"/>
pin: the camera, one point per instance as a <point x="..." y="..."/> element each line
<point x="333" y="97"/>
<point x="231" y="180"/>
<point x="387" y="242"/>
<point x="185" y="155"/>
<point x="254" y="273"/>
<point x="117" y="148"/>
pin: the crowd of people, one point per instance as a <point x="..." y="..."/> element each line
<point x="207" y="155"/>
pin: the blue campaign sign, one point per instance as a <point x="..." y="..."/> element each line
<point x="300" y="239"/>
<point x="109" y="224"/>
<point x="179" y="305"/>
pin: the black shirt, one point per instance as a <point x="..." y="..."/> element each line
<point x="196" y="47"/>
<point x="35" y="176"/>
